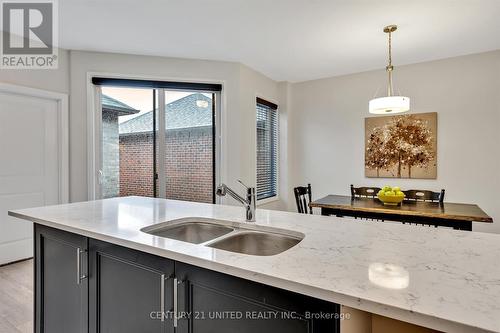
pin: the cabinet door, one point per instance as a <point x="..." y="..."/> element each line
<point x="214" y="302"/>
<point x="130" y="291"/>
<point x="61" y="290"/>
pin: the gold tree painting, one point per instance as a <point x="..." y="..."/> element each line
<point x="401" y="146"/>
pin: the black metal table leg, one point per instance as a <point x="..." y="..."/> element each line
<point x="435" y="222"/>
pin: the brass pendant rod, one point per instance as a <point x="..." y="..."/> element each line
<point x="389" y="30"/>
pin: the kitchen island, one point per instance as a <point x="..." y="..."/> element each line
<point x="437" y="278"/>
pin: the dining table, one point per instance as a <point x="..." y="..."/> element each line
<point x="447" y="214"/>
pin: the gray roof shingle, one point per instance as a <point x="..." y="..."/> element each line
<point x="182" y="113"/>
<point x="111" y="104"/>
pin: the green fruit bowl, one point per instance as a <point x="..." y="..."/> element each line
<point x="391" y="200"/>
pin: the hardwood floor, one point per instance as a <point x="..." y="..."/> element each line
<point x="16" y="297"/>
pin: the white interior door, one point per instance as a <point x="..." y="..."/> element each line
<point x="29" y="166"/>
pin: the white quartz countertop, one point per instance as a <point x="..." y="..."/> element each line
<point x="444" y="279"/>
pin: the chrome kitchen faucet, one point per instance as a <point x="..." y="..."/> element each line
<point x="248" y="203"/>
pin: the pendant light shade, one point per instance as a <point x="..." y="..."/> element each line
<point x="390" y="104"/>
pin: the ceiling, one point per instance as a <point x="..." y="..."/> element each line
<point x="287" y="40"/>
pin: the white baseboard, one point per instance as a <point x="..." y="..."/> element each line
<point x="16" y="250"/>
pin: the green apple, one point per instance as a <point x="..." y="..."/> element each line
<point x="390" y="193"/>
<point x="381" y="192"/>
<point x="387" y="188"/>
<point x="396" y="189"/>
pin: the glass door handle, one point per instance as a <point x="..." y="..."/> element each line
<point x="100" y="177"/>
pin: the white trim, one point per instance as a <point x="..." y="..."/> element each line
<point x="16" y="250"/>
<point x="97" y="177"/>
<point x="266" y="201"/>
<point x="93" y="122"/>
<point x="278" y="176"/>
<point x="93" y="150"/>
<point x="63" y="131"/>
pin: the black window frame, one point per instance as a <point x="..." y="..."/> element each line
<point x="267" y="176"/>
<point x="212" y="88"/>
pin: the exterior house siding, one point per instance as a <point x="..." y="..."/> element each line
<point x="188" y="164"/>
<point x="136" y="164"/>
<point x="110" y="166"/>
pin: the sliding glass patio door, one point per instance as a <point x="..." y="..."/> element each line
<point x="127" y="142"/>
<point x="187" y="146"/>
<point x="157" y="142"/>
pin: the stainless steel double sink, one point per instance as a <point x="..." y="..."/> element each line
<point x="227" y="235"/>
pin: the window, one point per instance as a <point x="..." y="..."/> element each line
<point x="157" y="139"/>
<point x="267" y="149"/>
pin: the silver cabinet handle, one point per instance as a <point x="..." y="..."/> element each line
<point x="176" y="295"/>
<point x="162" y="297"/>
<point x="79" y="276"/>
<point x="177" y="282"/>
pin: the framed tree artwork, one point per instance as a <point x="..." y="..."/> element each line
<point x="403" y="146"/>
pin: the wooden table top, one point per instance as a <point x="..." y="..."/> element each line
<point x="447" y="210"/>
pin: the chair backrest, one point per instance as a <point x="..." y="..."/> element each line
<point x="364" y="192"/>
<point x="302" y="195"/>
<point x="424" y="195"/>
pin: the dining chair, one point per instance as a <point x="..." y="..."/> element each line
<point x="364" y="192"/>
<point x="302" y="195"/>
<point x="424" y="195"/>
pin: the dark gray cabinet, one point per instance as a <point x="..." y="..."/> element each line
<point x="61" y="286"/>
<point x="86" y="285"/>
<point x="129" y="290"/>
<point x="209" y="302"/>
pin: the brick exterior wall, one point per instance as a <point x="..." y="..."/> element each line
<point x="136" y="164"/>
<point x="188" y="164"/>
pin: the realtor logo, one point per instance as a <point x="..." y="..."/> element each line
<point x="29" y="34"/>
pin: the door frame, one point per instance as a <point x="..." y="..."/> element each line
<point x="62" y="125"/>
<point x="94" y="127"/>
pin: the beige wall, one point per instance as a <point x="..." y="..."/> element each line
<point x="327" y="129"/>
<point x="253" y="84"/>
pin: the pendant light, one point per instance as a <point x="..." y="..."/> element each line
<point x="390" y="104"/>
